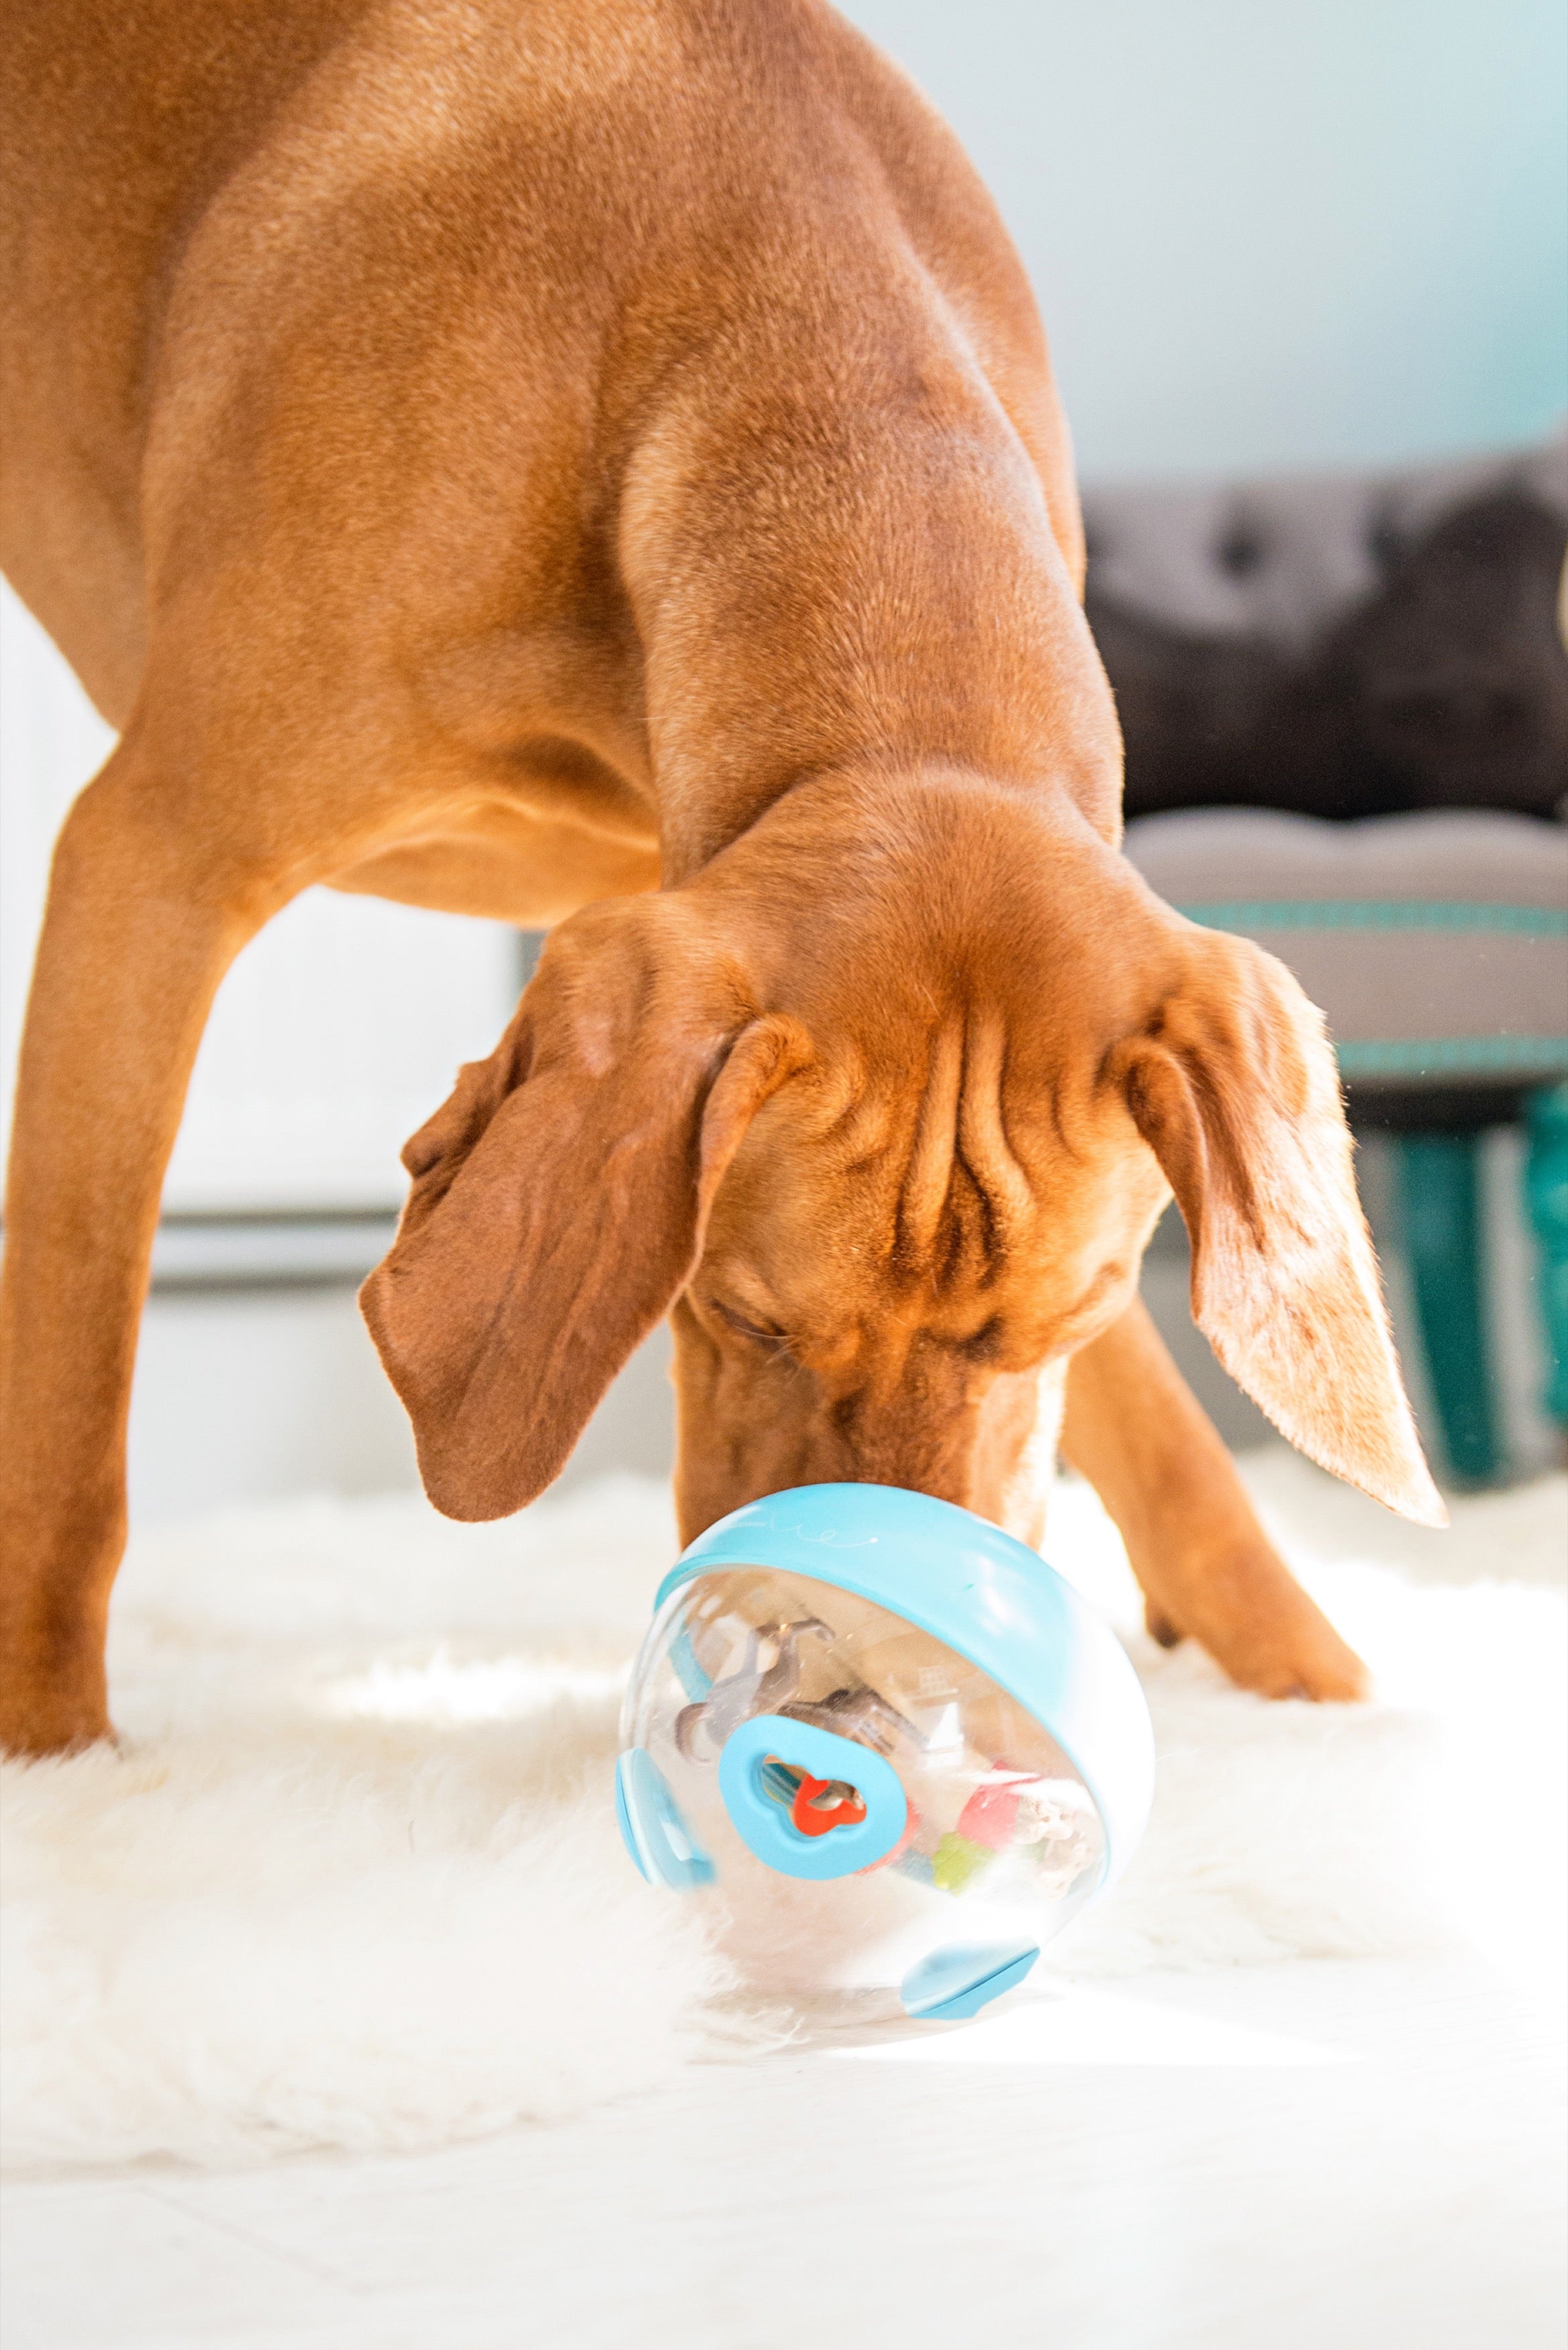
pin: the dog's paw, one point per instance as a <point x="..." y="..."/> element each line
<point x="1322" y="1668"/>
<point x="1246" y="1607"/>
<point x="1161" y="1626"/>
<point x="36" y="1722"/>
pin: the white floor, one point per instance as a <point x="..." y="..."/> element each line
<point x="1357" y="2154"/>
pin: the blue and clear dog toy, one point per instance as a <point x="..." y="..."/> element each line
<point x="896" y="1747"/>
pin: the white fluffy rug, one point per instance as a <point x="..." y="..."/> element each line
<point x="353" y="1879"/>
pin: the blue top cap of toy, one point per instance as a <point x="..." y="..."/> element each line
<point x="979" y="1591"/>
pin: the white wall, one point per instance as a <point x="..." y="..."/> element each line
<point x="337" y="1031"/>
<point x="253" y="1395"/>
<point x="1334" y="231"/>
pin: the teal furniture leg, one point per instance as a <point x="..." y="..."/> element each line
<point x="1546" y="1198"/>
<point x="1440" y="1191"/>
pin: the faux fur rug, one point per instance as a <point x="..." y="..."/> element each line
<point x="353" y="1877"/>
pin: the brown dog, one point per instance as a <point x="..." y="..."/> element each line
<point x="506" y="455"/>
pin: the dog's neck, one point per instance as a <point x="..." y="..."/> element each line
<point x="794" y="626"/>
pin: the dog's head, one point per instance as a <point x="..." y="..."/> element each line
<point x="884" y="1105"/>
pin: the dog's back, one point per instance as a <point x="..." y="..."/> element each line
<point x="219" y="200"/>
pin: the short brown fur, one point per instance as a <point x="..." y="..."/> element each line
<point x="600" y="465"/>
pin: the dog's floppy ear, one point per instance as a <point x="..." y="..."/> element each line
<point x="1233" y="1084"/>
<point x="560" y="1197"/>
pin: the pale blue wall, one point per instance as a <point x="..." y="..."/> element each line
<point x="1267" y="234"/>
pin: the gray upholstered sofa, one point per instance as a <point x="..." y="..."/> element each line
<point x="1435" y="940"/>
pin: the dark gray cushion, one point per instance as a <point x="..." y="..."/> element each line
<point x="1281" y="559"/>
<point x="1341" y="647"/>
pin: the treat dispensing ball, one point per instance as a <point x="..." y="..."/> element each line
<point x="891" y="1740"/>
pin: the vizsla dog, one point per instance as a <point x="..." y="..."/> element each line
<point x="595" y="462"/>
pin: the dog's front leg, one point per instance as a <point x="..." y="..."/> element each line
<point x="1133" y="1429"/>
<point x="137" y="935"/>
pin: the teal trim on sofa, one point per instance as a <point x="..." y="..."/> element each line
<point x="1378" y="914"/>
<point x="1439" y="1186"/>
<point x="1546" y="1195"/>
<point x="1526" y="1058"/>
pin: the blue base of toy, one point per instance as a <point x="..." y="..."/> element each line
<point x="952" y="1985"/>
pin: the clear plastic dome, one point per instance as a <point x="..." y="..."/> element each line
<point x="880" y="1825"/>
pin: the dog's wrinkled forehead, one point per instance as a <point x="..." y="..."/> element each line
<point x="950" y="1171"/>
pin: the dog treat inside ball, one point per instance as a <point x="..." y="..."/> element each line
<point x="889" y="1741"/>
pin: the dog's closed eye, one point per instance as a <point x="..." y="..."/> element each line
<point x="748" y="1326"/>
<point x="986" y="1343"/>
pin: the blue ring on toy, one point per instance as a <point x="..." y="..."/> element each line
<point x="981" y="1592"/>
<point x="765" y="1825"/>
